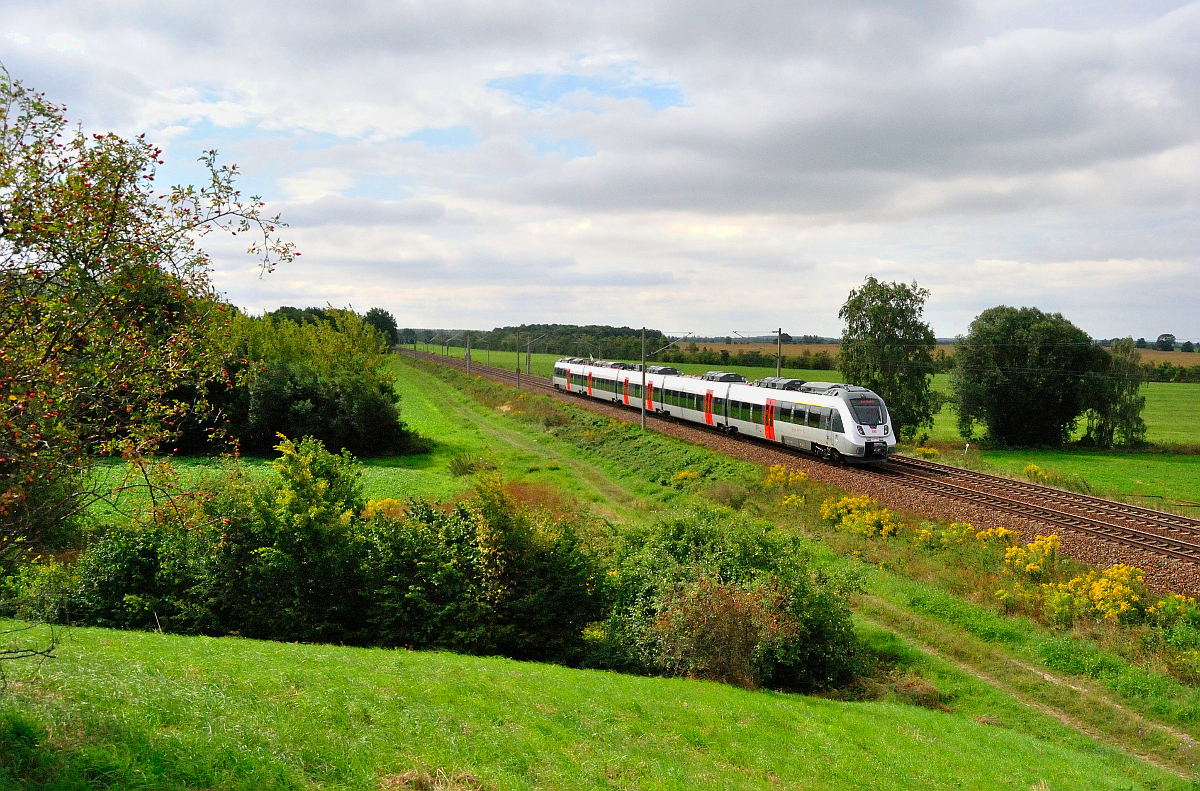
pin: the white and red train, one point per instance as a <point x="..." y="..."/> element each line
<point x="828" y="419"/>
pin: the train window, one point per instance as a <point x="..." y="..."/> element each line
<point x="756" y="413"/>
<point x="814" y="416"/>
<point x="837" y="422"/>
<point x="735" y="410"/>
<point x="868" y="411"/>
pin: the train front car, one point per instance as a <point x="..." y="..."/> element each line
<point x="870" y="437"/>
<point x="834" y="421"/>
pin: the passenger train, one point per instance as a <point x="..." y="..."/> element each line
<point x="836" y="421"/>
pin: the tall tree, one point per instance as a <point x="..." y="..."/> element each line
<point x="1024" y="375"/>
<point x="888" y="347"/>
<point x="385" y="322"/>
<point x="108" y="323"/>
<point x="1165" y="342"/>
<point x="1114" y="398"/>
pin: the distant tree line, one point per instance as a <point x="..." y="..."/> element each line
<point x="808" y="360"/>
<point x="599" y="341"/>
<point x="1164" y="343"/>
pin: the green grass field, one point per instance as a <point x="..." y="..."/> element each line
<point x="131" y="711"/>
<point x="146" y="711"/>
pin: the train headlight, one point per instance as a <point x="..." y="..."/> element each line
<point x="860" y="431"/>
<point x="885" y="431"/>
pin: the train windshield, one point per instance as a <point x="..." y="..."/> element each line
<point x="868" y="411"/>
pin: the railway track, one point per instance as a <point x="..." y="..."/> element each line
<point x="1159" y="533"/>
<point x="1183" y="546"/>
<point x="1134" y="515"/>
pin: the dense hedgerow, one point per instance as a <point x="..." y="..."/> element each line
<point x="704" y="593"/>
<point x="304" y="557"/>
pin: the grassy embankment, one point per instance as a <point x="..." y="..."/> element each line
<point x="232" y="713"/>
<point x="147" y="711"/>
<point x="1160" y="475"/>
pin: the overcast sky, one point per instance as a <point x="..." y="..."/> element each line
<point x="695" y="166"/>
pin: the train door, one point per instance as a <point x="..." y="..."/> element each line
<point x="625" y="391"/>
<point x="649" y="395"/>
<point x="708" y="407"/>
<point x="589" y="384"/>
<point x="769" y="420"/>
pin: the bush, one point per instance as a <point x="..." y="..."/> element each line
<point x="485" y="578"/>
<point x="466" y="464"/>
<point x="325" y="378"/>
<point x="709" y="595"/>
<point x="277" y="560"/>
<point x="860" y="515"/>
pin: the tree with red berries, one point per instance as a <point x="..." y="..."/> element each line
<point x="110" y="329"/>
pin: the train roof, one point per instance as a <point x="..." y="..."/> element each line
<point x="737" y="383"/>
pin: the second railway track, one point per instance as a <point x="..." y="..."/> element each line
<point x="1161" y="534"/>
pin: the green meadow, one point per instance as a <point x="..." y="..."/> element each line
<point x="960" y="697"/>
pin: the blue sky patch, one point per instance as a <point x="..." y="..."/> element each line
<point x="567" y="147"/>
<point x="448" y="137"/>
<point x="544" y="89"/>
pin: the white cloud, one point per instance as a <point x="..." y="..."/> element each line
<point x="315" y="183"/>
<point x="692" y="164"/>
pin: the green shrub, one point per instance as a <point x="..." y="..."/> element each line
<point x="709" y="594"/>
<point x="486" y="578"/>
<point x="276" y="561"/>
<point x="290" y="567"/>
<point x="324" y="378"/>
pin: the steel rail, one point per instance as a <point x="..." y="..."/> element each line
<point x="1121" y="510"/>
